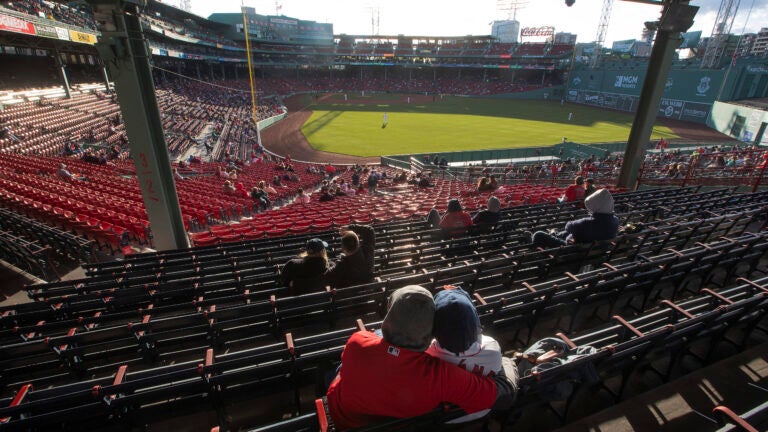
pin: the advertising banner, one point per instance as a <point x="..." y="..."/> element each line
<point x="695" y="112"/>
<point x="46" y="31"/>
<point x="15" y="25"/>
<point x="86" y="38"/>
<point x="62" y="33"/>
<point x="537" y="31"/>
<point x="675" y="109"/>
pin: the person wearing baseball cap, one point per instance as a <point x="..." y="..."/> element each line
<point x="590" y="188"/>
<point x="459" y="338"/>
<point x="304" y="273"/>
<point x="391" y="375"/>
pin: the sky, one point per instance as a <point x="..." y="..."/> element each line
<point x="473" y="17"/>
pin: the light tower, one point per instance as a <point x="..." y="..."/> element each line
<point x="602" y="29"/>
<point x="713" y="55"/>
<point x="509" y="8"/>
<point x="507" y="28"/>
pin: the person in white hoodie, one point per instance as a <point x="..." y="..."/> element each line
<point x="459" y="339"/>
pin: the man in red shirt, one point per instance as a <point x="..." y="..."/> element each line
<point x="575" y="191"/>
<point x="392" y="376"/>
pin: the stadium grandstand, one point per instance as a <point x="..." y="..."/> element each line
<point x="152" y="208"/>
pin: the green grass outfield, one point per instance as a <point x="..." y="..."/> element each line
<point x="456" y="123"/>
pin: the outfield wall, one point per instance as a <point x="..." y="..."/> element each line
<point x="554" y="92"/>
<point x="744" y="123"/>
<point x="688" y="94"/>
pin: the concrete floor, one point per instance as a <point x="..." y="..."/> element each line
<point x="685" y="404"/>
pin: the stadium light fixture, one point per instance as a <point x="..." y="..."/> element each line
<point x="569" y="3"/>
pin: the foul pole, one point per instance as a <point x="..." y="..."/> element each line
<point x="254" y="106"/>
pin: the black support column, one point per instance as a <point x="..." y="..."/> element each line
<point x="125" y="51"/>
<point x="676" y="17"/>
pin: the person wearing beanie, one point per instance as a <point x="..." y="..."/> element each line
<point x="304" y="274"/>
<point x="391" y="375"/>
<point x="459" y="339"/>
<point x="601" y="224"/>
<point x="355" y="264"/>
<point x="489" y="217"/>
<point x="455" y="221"/>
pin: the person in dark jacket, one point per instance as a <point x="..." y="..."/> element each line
<point x="489" y="217"/>
<point x="590" y="188"/>
<point x="304" y="274"/>
<point x="355" y="264"/>
<point x="601" y="224"/>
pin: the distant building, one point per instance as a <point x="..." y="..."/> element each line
<point x="275" y="28"/>
<point x="565" y="38"/>
<point x="760" y="46"/>
<point x="746" y="44"/>
<point x="507" y="31"/>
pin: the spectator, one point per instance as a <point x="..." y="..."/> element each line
<point x="425" y="180"/>
<point x="459" y="339"/>
<point x="355" y="264"/>
<point x="259" y="194"/>
<point x="391" y="375"/>
<point x="229" y="189"/>
<point x="240" y="191"/>
<point x="373" y="181"/>
<point x="267" y="188"/>
<point x="304" y="273"/>
<point x="490" y="216"/>
<point x="590" y="188"/>
<point x="64" y="174"/>
<point x="326" y="195"/>
<point x="302" y="198"/>
<point x="601" y="224"/>
<point x="493" y="183"/>
<point x="484" y="184"/>
<point x="177" y="175"/>
<point x="575" y="191"/>
<point x="455" y="221"/>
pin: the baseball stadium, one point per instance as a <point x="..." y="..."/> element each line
<point x="251" y="222"/>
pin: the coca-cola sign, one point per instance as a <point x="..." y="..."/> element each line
<point x="537" y="31"/>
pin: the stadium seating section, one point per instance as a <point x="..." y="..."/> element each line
<point x="54" y="11"/>
<point x="208" y="331"/>
<point x="204" y="328"/>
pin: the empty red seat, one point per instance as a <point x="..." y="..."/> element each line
<point x="277" y="232"/>
<point x="210" y="241"/>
